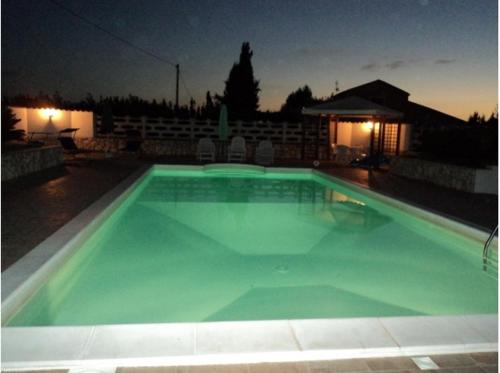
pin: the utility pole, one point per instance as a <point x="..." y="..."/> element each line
<point x="177" y="87"/>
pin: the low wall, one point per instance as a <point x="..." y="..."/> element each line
<point x="194" y="129"/>
<point x="486" y="180"/>
<point x="22" y="162"/>
<point x="187" y="148"/>
<point x="451" y="176"/>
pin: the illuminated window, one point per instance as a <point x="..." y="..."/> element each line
<point x="390" y="138"/>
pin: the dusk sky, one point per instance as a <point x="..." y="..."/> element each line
<point x="443" y="52"/>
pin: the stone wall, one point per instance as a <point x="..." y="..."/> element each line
<point x="451" y="176"/>
<point x="22" y="162"/>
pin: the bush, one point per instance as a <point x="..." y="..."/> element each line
<point x="9" y="121"/>
<point x="470" y="146"/>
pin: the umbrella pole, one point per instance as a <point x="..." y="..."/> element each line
<point x="372" y="140"/>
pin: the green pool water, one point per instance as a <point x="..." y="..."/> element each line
<point x="189" y="246"/>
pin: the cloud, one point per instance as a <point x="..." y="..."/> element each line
<point x="397" y="64"/>
<point x="444" y="61"/>
<point x="370" y="67"/>
<point x="392" y="65"/>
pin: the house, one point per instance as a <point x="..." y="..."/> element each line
<point x="47" y="122"/>
<point x="378" y="117"/>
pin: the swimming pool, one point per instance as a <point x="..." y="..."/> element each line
<point x="216" y="244"/>
<point x="198" y="246"/>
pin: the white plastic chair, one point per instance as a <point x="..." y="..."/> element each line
<point x="264" y="153"/>
<point x="237" y="150"/>
<point x="206" y="150"/>
<point x="343" y="154"/>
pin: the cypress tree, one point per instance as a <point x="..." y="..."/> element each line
<point x="242" y="90"/>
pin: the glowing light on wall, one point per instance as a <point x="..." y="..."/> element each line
<point x="368" y="126"/>
<point x="50" y="113"/>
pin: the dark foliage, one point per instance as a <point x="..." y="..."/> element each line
<point x="9" y="121"/>
<point x="292" y="108"/>
<point x="211" y="109"/>
<point x="242" y="90"/>
<point x="477" y="120"/>
<point x="474" y="146"/>
<point x="107" y="121"/>
<point x="120" y="106"/>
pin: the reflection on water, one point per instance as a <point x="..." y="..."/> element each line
<point x="318" y="202"/>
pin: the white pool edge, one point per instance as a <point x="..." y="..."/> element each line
<point x="244" y="342"/>
<point x="220" y="342"/>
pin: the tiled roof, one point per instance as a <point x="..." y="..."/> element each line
<point x="352" y="107"/>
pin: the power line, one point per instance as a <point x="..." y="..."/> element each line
<point x="124" y="41"/>
<point x="119" y="38"/>
<point x="185" y="86"/>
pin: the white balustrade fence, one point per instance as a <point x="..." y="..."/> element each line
<point x="192" y="129"/>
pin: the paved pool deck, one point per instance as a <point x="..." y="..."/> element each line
<point x="459" y="363"/>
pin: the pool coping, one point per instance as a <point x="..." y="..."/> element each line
<point x="229" y="342"/>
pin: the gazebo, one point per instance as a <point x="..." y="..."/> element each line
<point x="373" y="117"/>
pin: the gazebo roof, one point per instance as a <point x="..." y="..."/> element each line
<point x="352" y="106"/>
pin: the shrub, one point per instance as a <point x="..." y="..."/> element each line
<point x="9" y="121"/>
<point x="469" y="146"/>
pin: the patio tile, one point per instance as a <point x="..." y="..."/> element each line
<point x="452" y="360"/>
<point x="490" y="368"/>
<point x="214" y="369"/>
<point x="127" y="341"/>
<point x="38" y="371"/>
<point x="278" y="368"/>
<point x="431" y="331"/>
<point x="397" y="363"/>
<point x="31" y="344"/>
<point x="489" y="358"/>
<point x="239" y="336"/>
<point x="341" y="334"/>
<point x="147" y="370"/>
<point x="472" y="369"/>
<point x="485" y="325"/>
<point x="338" y="366"/>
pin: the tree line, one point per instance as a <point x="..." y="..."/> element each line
<point x="241" y="96"/>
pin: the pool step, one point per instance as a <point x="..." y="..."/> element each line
<point x="234" y="169"/>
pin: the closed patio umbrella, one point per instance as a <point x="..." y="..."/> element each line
<point x="223" y="128"/>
